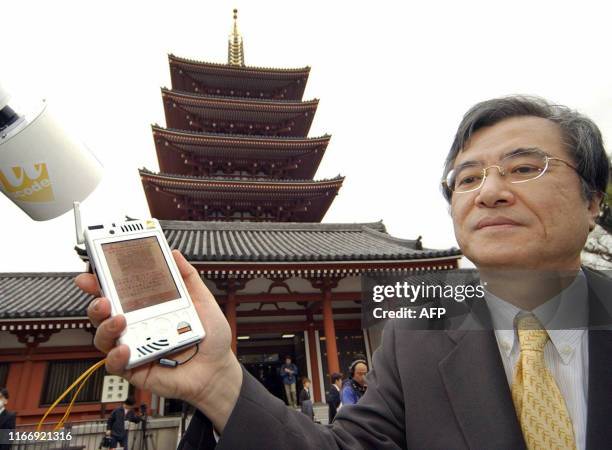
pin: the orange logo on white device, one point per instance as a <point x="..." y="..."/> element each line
<point x="183" y="327"/>
<point x="30" y="184"/>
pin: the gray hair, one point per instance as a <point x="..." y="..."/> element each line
<point x="581" y="136"/>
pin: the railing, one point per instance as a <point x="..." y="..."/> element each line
<point x="161" y="434"/>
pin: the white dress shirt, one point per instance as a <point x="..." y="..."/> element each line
<point x="566" y="354"/>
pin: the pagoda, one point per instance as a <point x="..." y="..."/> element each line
<point x="236" y="145"/>
<point x="236" y="195"/>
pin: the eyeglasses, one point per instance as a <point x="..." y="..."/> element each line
<point x="518" y="167"/>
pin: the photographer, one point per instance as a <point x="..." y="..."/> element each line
<point x="118" y="423"/>
<point x="288" y="372"/>
<point x="355" y="386"/>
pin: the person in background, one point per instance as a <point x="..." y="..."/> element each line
<point x="333" y="395"/>
<point x="7" y="418"/>
<point x="305" y="400"/>
<point x="288" y="373"/>
<point x="355" y="386"/>
<point x="117" y="424"/>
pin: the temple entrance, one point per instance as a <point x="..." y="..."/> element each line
<point x="263" y="354"/>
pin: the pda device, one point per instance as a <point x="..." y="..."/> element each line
<point x="138" y="275"/>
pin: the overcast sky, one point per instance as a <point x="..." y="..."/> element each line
<point x="393" y="82"/>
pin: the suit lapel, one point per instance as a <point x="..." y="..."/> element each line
<point x="599" y="409"/>
<point x="478" y="391"/>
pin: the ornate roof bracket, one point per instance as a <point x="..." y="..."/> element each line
<point x="198" y="86"/>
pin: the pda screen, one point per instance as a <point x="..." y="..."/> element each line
<point x="140" y="273"/>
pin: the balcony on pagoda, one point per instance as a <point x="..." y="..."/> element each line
<point x="237" y="81"/>
<point x="212" y="114"/>
<point x="209" y="154"/>
<point x="175" y="197"/>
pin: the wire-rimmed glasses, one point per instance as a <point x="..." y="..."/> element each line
<point x="519" y="166"/>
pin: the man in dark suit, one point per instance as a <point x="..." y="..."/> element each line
<point x="117" y="423"/>
<point x="524" y="179"/>
<point x="333" y="396"/>
<point x="7" y="418"/>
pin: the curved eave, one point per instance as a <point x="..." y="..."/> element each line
<point x="359" y="263"/>
<point x="200" y="100"/>
<point x="340" y="260"/>
<point x="268" y="72"/>
<point x="197" y="183"/>
<point x="233" y="141"/>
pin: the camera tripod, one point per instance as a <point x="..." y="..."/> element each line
<point x="146" y="438"/>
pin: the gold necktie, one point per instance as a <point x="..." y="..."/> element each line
<point x="540" y="407"/>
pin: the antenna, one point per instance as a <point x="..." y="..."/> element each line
<point x="78" y="226"/>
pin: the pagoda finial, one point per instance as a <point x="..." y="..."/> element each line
<point x="235" y="49"/>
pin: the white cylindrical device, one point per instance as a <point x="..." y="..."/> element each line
<point x="4" y="97"/>
<point x="43" y="169"/>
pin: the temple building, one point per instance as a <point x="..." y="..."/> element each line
<point x="236" y="193"/>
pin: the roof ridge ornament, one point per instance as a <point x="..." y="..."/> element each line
<point x="235" y="48"/>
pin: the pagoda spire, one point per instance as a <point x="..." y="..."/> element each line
<point x="235" y="49"/>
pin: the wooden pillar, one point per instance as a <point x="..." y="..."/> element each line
<point x="326" y="284"/>
<point x="231" y="286"/>
<point x="32" y="373"/>
<point x="230" y="314"/>
<point x="20" y="398"/>
<point x="333" y="364"/>
<point x="314" y="360"/>
<point x="13" y="384"/>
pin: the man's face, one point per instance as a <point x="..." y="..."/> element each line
<point x="542" y="223"/>
<point x="3" y="400"/>
<point x="360" y="373"/>
<point x="287" y="360"/>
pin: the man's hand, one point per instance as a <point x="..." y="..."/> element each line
<point x="211" y="381"/>
<point x="108" y="432"/>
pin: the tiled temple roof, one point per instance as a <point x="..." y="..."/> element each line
<point x="240" y="241"/>
<point x="41" y="295"/>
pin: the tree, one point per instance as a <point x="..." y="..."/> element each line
<point x="597" y="252"/>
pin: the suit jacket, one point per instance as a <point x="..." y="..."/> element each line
<point x="333" y="402"/>
<point x="306" y="403"/>
<point x="116" y="421"/>
<point x="428" y="390"/>
<point x="7" y="422"/>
